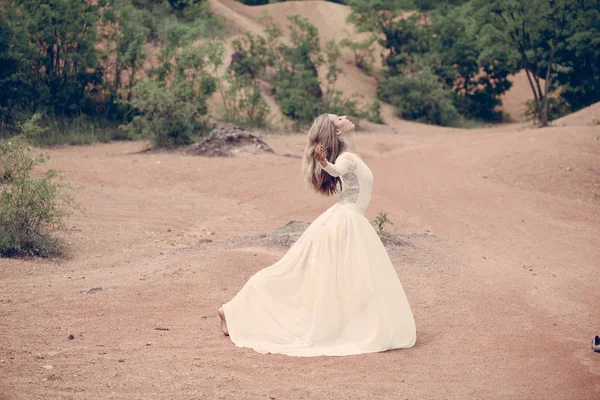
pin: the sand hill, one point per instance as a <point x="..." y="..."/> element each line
<point x="330" y="18"/>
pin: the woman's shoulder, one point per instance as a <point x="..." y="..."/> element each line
<point x="349" y="154"/>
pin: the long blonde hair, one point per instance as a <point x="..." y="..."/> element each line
<point x="322" y="132"/>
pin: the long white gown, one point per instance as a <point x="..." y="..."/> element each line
<point x="335" y="292"/>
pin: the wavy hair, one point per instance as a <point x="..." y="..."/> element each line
<point x="322" y="132"/>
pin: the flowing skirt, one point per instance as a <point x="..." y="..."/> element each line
<point x="334" y="293"/>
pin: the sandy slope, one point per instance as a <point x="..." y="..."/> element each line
<point x="503" y="287"/>
<point x="330" y="19"/>
<point x="587" y="116"/>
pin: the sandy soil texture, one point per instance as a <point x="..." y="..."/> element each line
<point x="501" y="267"/>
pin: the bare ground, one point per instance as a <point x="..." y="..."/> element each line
<point x="501" y="268"/>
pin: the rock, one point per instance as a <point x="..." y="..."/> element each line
<point x="94" y="290"/>
<point x="289" y="233"/>
<point x="226" y="141"/>
<point x="391" y="239"/>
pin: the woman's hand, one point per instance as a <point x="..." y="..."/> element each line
<point x="320" y="155"/>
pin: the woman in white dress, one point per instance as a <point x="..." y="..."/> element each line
<point x="335" y="292"/>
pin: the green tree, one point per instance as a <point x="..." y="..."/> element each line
<point x="123" y="37"/>
<point x="449" y="44"/>
<point x="420" y="96"/>
<point x="578" y="61"/>
<point x="537" y="30"/>
<point x="297" y="87"/>
<point x="469" y="61"/>
<point x="14" y="55"/>
<point x="58" y="38"/>
<point x="243" y="101"/>
<point x="170" y="106"/>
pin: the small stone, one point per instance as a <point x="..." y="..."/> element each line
<point x="149" y="344"/>
<point x="39" y="356"/>
<point x="94" y="290"/>
<point x="71" y="336"/>
<point x="121" y="360"/>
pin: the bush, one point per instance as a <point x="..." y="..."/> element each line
<point x="557" y="108"/>
<point x="421" y="97"/>
<point x="243" y="103"/>
<point x="170" y="107"/>
<point x="32" y="209"/>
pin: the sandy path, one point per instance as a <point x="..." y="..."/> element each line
<point x="503" y="286"/>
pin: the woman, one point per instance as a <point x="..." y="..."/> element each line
<point x="335" y="292"/>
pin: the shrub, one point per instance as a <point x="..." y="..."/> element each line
<point x="380" y="220"/>
<point x="32" y="209"/>
<point x="243" y="103"/>
<point x="372" y="112"/>
<point x="170" y="107"/>
<point x="421" y="97"/>
<point x="557" y="108"/>
<point x="362" y="52"/>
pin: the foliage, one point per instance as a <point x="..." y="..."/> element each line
<point x="449" y="45"/>
<point x="557" y="107"/>
<point x="381" y="219"/>
<point x="170" y="105"/>
<point x="420" y="97"/>
<point x="470" y="62"/>
<point x="362" y="51"/>
<point x="431" y="5"/>
<point x="242" y="100"/>
<point x="297" y="87"/>
<point x="579" y="59"/>
<point x="537" y="31"/>
<point x="51" y="53"/>
<point x="32" y="210"/>
<point x="123" y="36"/>
<point x="263" y="2"/>
<point x="296" y="82"/>
<point x="78" y="60"/>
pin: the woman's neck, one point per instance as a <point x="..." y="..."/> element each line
<point x="349" y="142"/>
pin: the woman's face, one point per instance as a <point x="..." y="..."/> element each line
<point x="342" y="123"/>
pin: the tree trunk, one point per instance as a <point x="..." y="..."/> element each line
<point x="544" y="114"/>
<point x="529" y="73"/>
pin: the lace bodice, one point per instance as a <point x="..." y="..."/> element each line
<point x="357" y="180"/>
